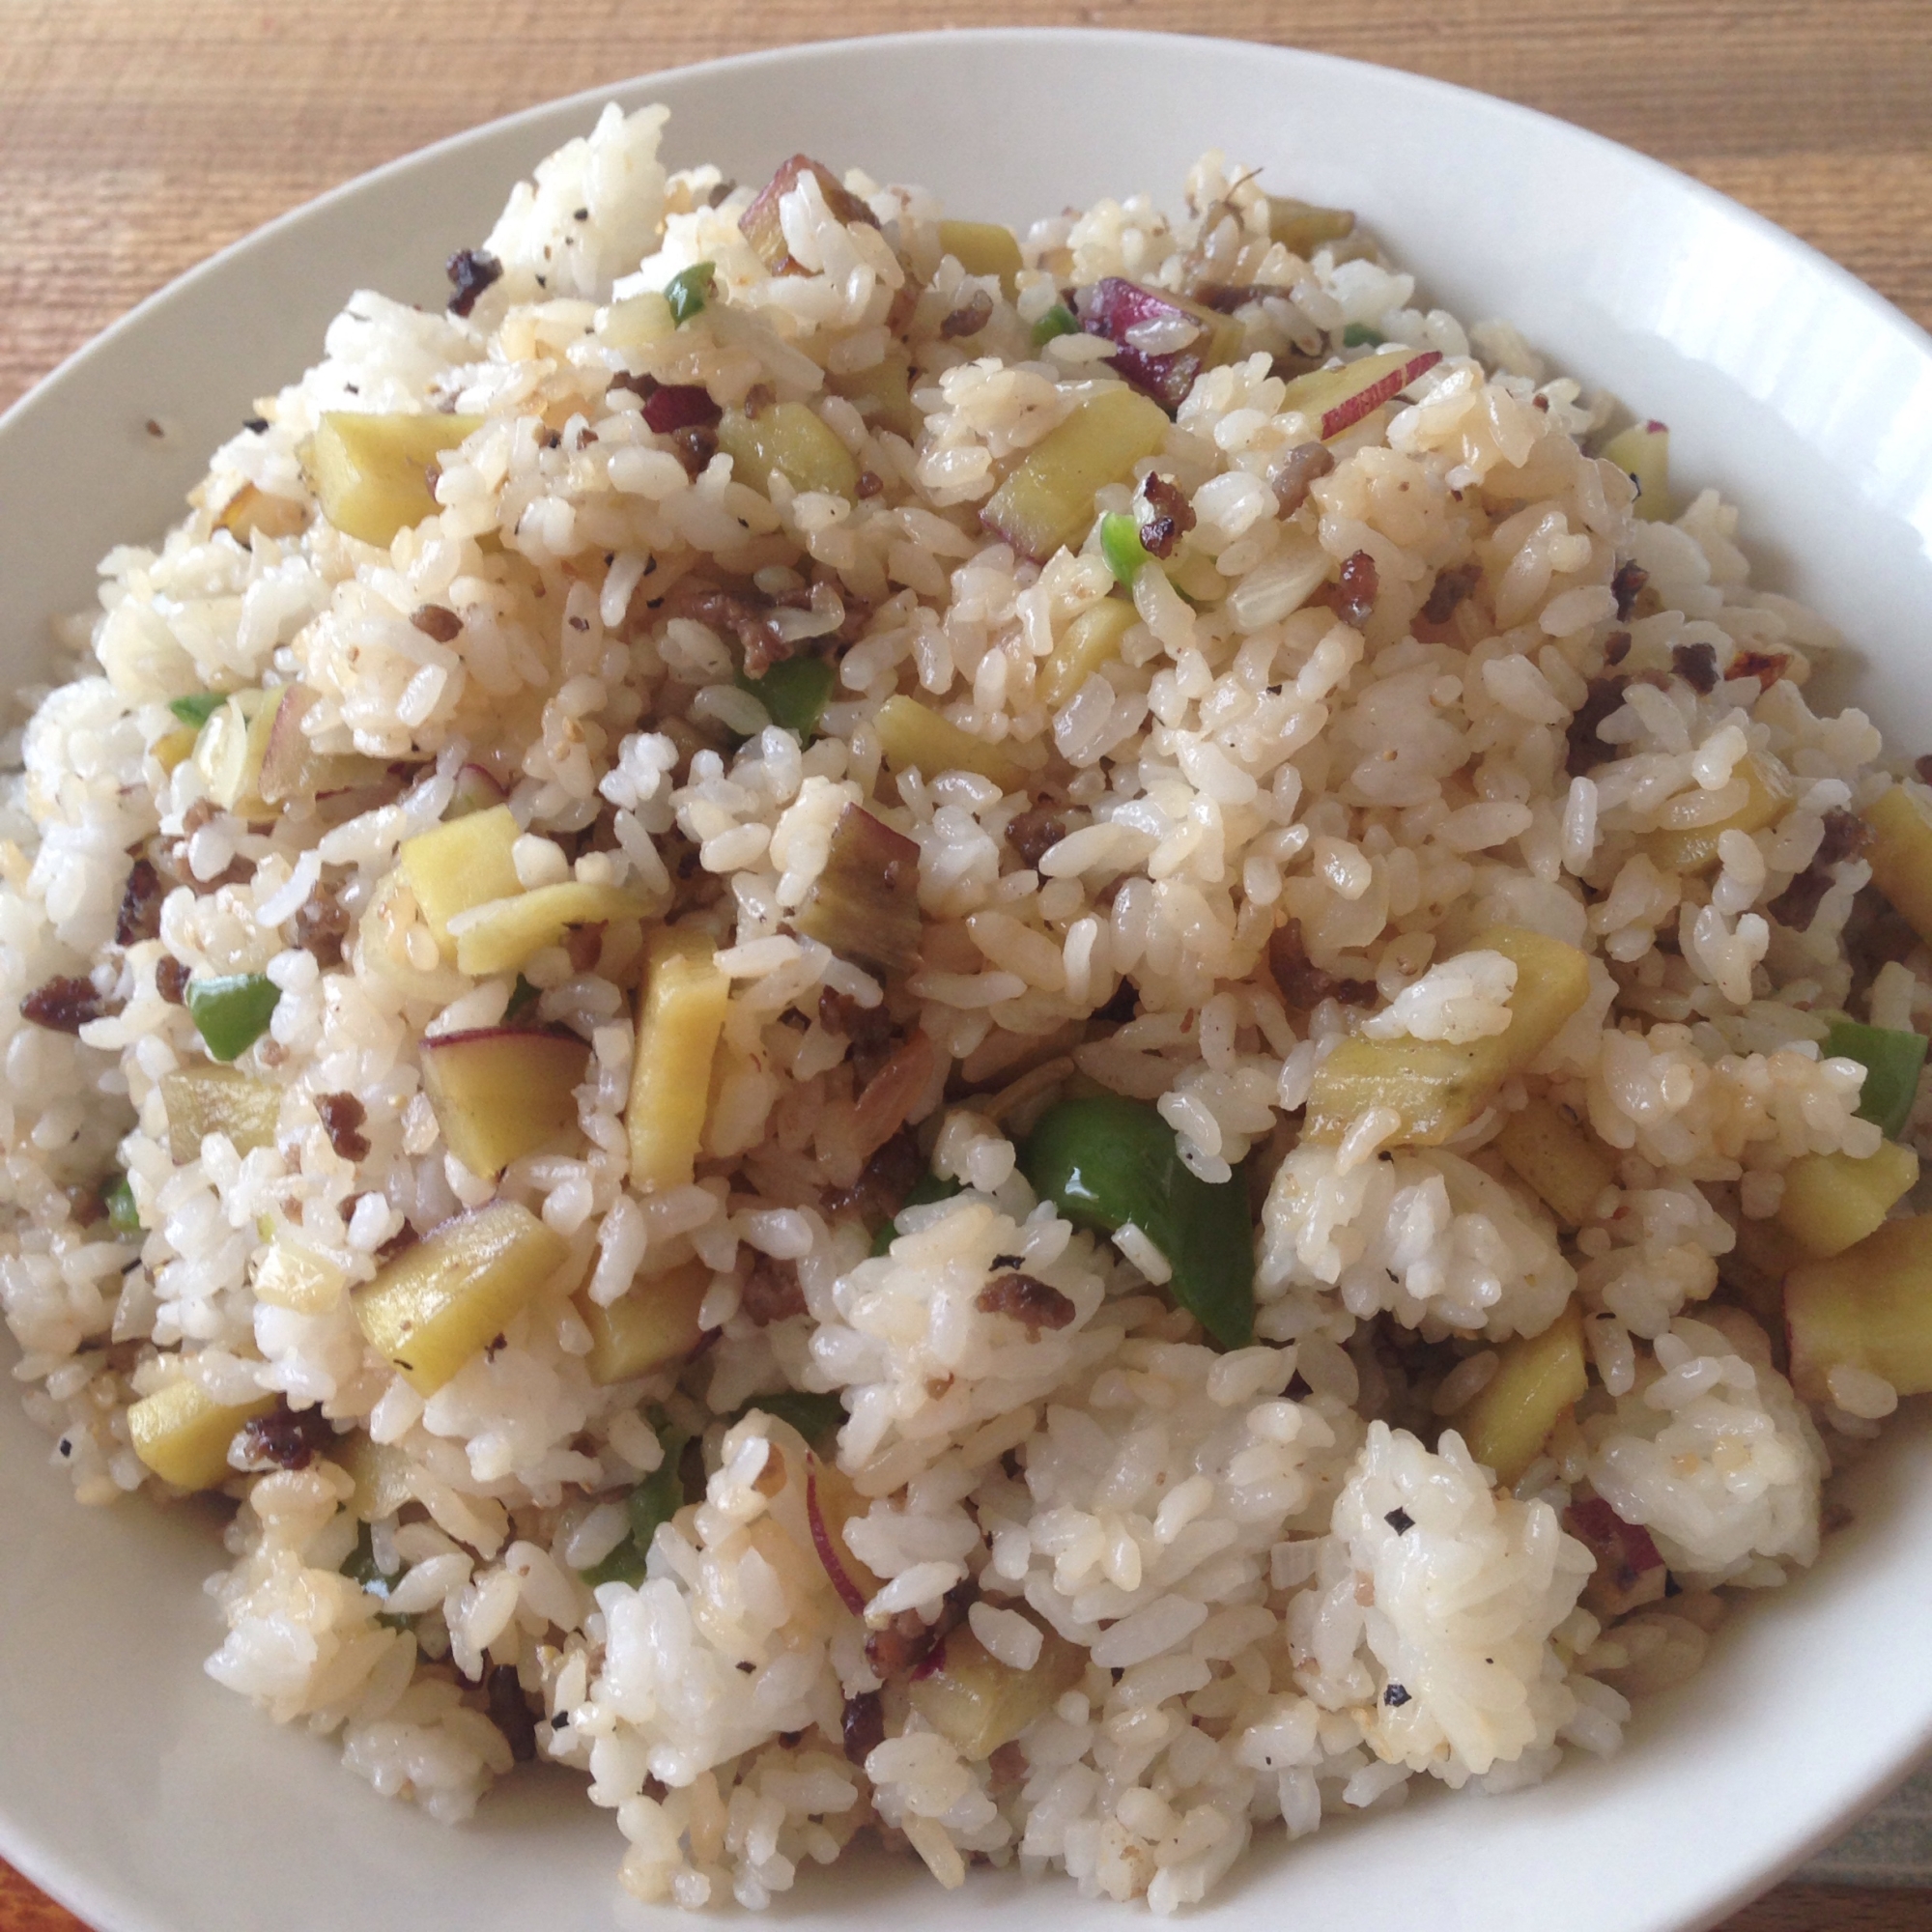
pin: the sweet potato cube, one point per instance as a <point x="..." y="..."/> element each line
<point x="864" y="905"/>
<point x="680" y="1015"/>
<point x="913" y="735"/>
<point x="652" y="1323"/>
<point x="373" y="473"/>
<point x="1507" y="1422"/>
<point x="292" y="1274"/>
<point x="252" y="510"/>
<point x="1438" y="1087"/>
<point x="978" y="1703"/>
<point x="1048" y="499"/>
<point x="1901" y="854"/>
<point x="206" y="1099"/>
<point x="444" y="1300"/>
<point x="984" y="248"/>
<point x="1089" y="642"/>
<point x="462" y="862"/>
<point x="230" y="750"/>
<point x="1630" y="1571"/>
<point x="501" y="1093"/>
<point x="1563" y="1162"/>
<point x="882" y="394"/>
<point x="1337" y="399"/>
<point x="1833" y="1201"/>
<point x="1303" y="226"/>
<point x="762" y="224"/>
<point x="1642" y="452"/>
<point x="183" y="1433"/>
<point x="1869" y="1308"/>
<point x="381" y="1472"/>
<point x="787" y="437"/>
<point x="1693" y="848"/>
<point x="500" y="935"/>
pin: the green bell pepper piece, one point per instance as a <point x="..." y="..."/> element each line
<point x="199" y="707"/>
<point x="655" y="1500"/>
<point x="1104" y="1161"/>
<point x="231" y="1012"/>
<point x="1120" y="545"/>
<point x="689" y="289"/>
<point x="1891" y="1061"/>
<point x="1059" y="320"/>
<point x="123" y="1217"/>
<point x="814" y="1416"/>
<point x="1359" y="335"/>
<point x="794" y="693"/>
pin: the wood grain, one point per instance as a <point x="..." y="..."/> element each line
<point x="137" y="138"/>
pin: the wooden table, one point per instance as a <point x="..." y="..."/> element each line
<point x="136" y="137"/>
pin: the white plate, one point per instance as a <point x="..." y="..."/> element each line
<point x="154" y="1801"/>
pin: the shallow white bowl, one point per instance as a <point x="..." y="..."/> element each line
<point x="154" y="1801"/>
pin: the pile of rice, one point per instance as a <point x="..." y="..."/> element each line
<point x="1294" y="1589"/>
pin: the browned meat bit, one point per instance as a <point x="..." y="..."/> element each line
<point x="140" y="914"/>
<point x="171" y="977"/>
<point x="969" y="318"/>
<point x="1304" y="984"/>
<point x="1767" y="666"/>
<point x="64" y="1005"/>
<point x="1602" y="697"/>
<point x="868" y="485"/>
<point x="1448" y="591"/>
<point x="1698" y="666"/>
<point x="1631" y="577"/>
<point x="1034" y="833"/>
<point x="864" y="1725"/>
<point x="438" y="621"/>
<point x="772" y="1292"/>
<point x="760" y="639"/>
<point x="1922" y="769"/>
<point x="84" y="1204"/>
<point x="203" y="812"/>
<point x="887" y="1178"/>
<point x="1172" y="518"/>
<point x="1030" y="1302"/>
<point x="321" y="927"/>
<point x="758" y="398"/>
<point x="1225" y="297"/>
<point x="1008" y="1766"/>
<point x="1846" y="836"/>
<point x="470" y="272"/>
<point x="898" y="1647"/>
<point x="1296" y="472"/>
<point x="284" y="1438"/>
<point x="400" y="1242"/>
<point x="342" y="1114"/>
<point x="1357" y="590"/>
<point x="1616" y="647"/>
<point x="581" y="944"/>
<point x="868" y="1029"/>
<point x="696" y="446"/>
<point x="510" y="1714"/>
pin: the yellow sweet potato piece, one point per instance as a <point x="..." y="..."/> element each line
<point x="207" y="1099"/>
<point x="381" y="1472"/>
<point x="1048" y="499"/>
<point x="500" y="935"/>
<point x="1541" y="1377"/>
<point x="865" y="904"/>
<point x="1090" y="641"/>
<point x="446" y="1299"/>
<point x="787" y="437"/>
<point x="1869" y="1308"/>
<point x="1303" y="226"/>
<point x="1563" y="1162"/>
<point x="882" y="394"/>
<point x="175" y="748"/>
<point x="978" y="1703"/>
<point x="1438" y="1087"/>
<point x="230" y="749"/>
<point x="1694" y="848"/>
<point x="462" y="862"/>
<point x="636" y="322"/>
<point x="984" y="248"/>
<point x="292" y="1274"/>
<point x="680" y="1014"/>
<point x="372" y="473"/>
<point x="250" y="510"/>
<point x="501" y="1093"/>
<point x="912" y="735"/>
<point x="1901" y="854"/>
<point x="1832" y="1201"/>
<point x="1643" y="453"/>
<point x="652" y="1323"/>
<point x="183" y="1433"/>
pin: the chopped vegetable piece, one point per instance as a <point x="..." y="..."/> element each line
<point x="199" y="707"/>
<point x="522" y="998"/>
<point x="1869" y="1308"/>
<point x="1892" y="1059"/>
<point x="984" y="248"/>
<point x="882" y="393"/>
<point x="1106" y="1161"/>
<point x="787" y="437"/>
<point x="290" y="767"/>
<point x="927" y="1189"/>
<point x="762" y="224"/>
<point x="476" y="790"/>
<point x="1359" y="335"/>
<point x="183" y="1433"/>
<point x="360" y="1567"/>
<point x="1121" y="311"/>
<point x="250" y="512"/>
<point x="1769" y="791"/>
<point x="1439" y="1087"/>
<point x="636" y="322"/>
<point x="1832" y="1201"/>
<point x="1090" y="641"/>
<point x="1901" y="854"/>
<point x="1120" y="545"/>
<point x="795" y="693"/>
<point x="1059" y="320"/>
<point x="1303" y="227"/>
<point x="380" y="1473"/>
<point x="1048" y="500"/>
<point x="371" y="474"/>
<point x="651" y="1503"/>
<point x="500" y="935"/>
<point x="501" y="1093"/>
<point x="1643" y="453"/>
<point x="442" y="1301"/>
<point x="231" y="1012"/>
<point x="978" y="1703"/>
<point x="1539" y="1379"/>
<point x="174" y="749"/>
<point x="814" y="1416"/>
<point x="864" y="905"/>
<point x="1565" y="1163"/>
<point x="652" y="1323"/>
<point x="1630" y="1571"/>
<point x="680" y="1014"/>
<point x="122" y="1215"/>
<point x="1337" y="399"/>
<point x="831" y="1502"/>
<point x="462" y="862"/>
<point x="913" y="735"/>
<point x="230" y="748"/>
<point x="292" y="1274"/>
<point x="687" y="291"/>
<point x="201" y="1101"/>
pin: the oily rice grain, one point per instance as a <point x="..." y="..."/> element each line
<point x="814" y="1423"/>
